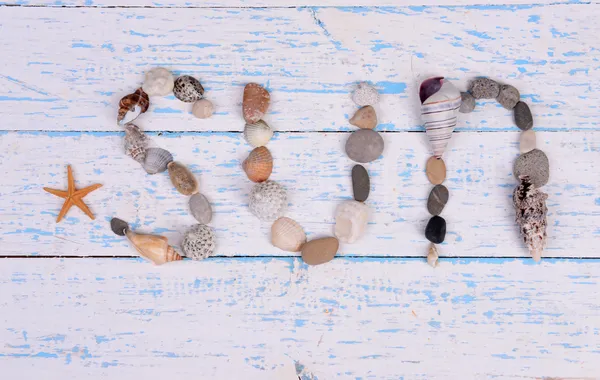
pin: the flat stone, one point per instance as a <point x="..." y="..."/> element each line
<point x="320" y="251"/>
<point x="365" y="118"/>
<point x="436" y="170"/>
<point x="467" y="104"/>
<point x="438" y="197"/>
<point x="361" y="184"/>
<point x="255" y="102"/>
<point x="435" y="231"/>
<point x="364" y="145"/>
<point x="484" y="88"/>
<point x="527" y="141"/>
<point x="200" y="208"/>
<point x="508" y="96"/>
<point x="365" y="95"/>
<point x="203" y="109"/>
<point x="535" y="165"/>
<point x="523" y="116"/>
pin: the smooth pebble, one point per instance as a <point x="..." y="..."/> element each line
<point x="320" y="251"/>
<point x="436" y="170"/>
<point x="484" y="88"/>
<point x="535" y="165"/>
<point x="200" y="208"/>
<point x="467" y="104"/>
<point x="523" y="116"/>
<point x="438" y="197"/>
<point x="255" y="102"/>
<point x="365" y="95"/>
<point x="361" y="184"/>
<point x="203" y="109"/>
<point x="527" y="141"/>
<point x="158" y="82"/>
<point x="364" y="145"/>
<point x="435" y="231"/>
<point x="365" y="118"/>
<point x="508" y="96"/>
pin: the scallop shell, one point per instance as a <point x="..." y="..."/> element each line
<point x="200" y="208"/>
<point x="136" y="143"/>
<point x="182" y="178"/>
<point x="153" y="247"/>
<point x="351" y="218"/>
<point x="439" y="109"/>
<point x="157" y="160"/>
<point x="131" y="106"/>
<point x="268" y="200"/>
<point x="259" y="164"/>
<point x="530" y="207"/>
<point x="258" y="134"/>
<point x="198" y="242"/>
<point x="287" y="235"/>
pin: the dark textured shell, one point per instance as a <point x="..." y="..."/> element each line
<point x="188" y="89"/>
<point x="132" y="105"/>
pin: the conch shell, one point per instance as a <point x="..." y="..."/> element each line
<point x="153" y="247"/>
<point x="259" y="164"/>
<point x="530" y="206"/>
<point x="136" y="143"/>
<point x="133" y="105"/>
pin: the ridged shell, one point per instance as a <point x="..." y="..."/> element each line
<point x="200" y="208"/>
<point x="131" y="106"/>
<point x="268" y="200"/>
<point x="438" y="112"/>
<point x="153" y="247"/>
<point x="258" y="134"/>
<point x="136" y="143"/>
<point x="157" y="160"/>
<point x="182" y="178"/>
<point x="351" y="218"/>
<point x="259" y="164"/>
<point x="198" y="242"/>
<point x="287" y="235"/>
<point x="530" y="207"/>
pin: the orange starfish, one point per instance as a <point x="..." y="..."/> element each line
<point x="73" y="196"/>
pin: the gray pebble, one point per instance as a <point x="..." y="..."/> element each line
<point x="361" y="185"/>
<point x="438" y="197"/>
<point x="364" y="145"/>
<point x="508" y="97"/>
<point x="467" y="104"/>
<point x="118" y="226"/>
<point x="484" y="88"/>
<point x="535" y="165"/>
<point x="200" y="208"/>
<point x="523" y="117"/>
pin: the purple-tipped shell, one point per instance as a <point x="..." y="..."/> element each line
<point x="429" y="87"/>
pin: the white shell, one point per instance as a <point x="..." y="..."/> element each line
<point x="198" y="242"/>
<point x="287" y="235"/>
<point x="157" y="160"/>
<point x="351" y="218"/>
<point x="268" y="200"/>
<point x="159" y="82"/>
<point x="258" y="134"/>
<point x="439" y="113"/>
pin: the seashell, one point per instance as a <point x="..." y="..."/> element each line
<point x="268" y="200"/>
<point x="200" y="208"/>
<point x="287" y="235"/>
<point x="432" y="256"/>
<point x="351" y="218"/>
<point x="136" y="143"/>
<point x="259" y="164"/>
<point x="440" y="104"/>
<point x="153" y="247"/>
<point x="158" y="82"/>
<point x="188" y="89"/>
<point x="157" y="160"/>
<point x="131" y="106"/>
<point x="255" y="102"/>
<point x="198" y="242"/>
<point x="118" y="226"/>
<point x="258" y="134"/>
<point x="530" y="207"/>
<point x="181" y="177"/>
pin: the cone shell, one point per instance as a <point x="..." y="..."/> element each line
<point x="183" y="180"/>
<point x="132" y="105"/>
<point x="259" y="164"/>
<point x="439" y="111"/>
<point x="258" y="134"/>
<point x="136" y="143"/>
<point x="157" y="160"/>
<point x="153" y="247"/>
<point x="287" y="235"/>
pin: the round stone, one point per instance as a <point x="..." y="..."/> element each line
<point x="364" y="145"/>
<point x="527" y="141"/>
<point x="435" y="231"/>
<point x="484" y="88"/>
<point x="467" y="104"/>
<point x="203" y="109"/>
<point x="361" y="184"/>
<point x="365" y="95"/>
<point x="438" y="197"/>
<point x="158" y="82"/>
<point x="320" y="251"/>
<point x="523" y="117"/>
<point x="198" y="242"/>
<point x="188" y="89"/>
<point x="436" y="170"/>
<point x="508" y="96"/>
<point x="200" y="208"/>
<point x="365" y="118"/>
<point x="535" y="165"/>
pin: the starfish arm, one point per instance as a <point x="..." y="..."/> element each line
<point x="63" y="211"/>
<point x="85" y="191"/>
<point x="71" y="180"/>
<point x="58" y="193"/>
<point x="79" y="203"/>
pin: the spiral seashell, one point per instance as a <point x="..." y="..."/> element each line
<point x="131" y="106"/>
<point x="351" y="218"/>
<point x="258" y="134"/>
<point x="181" y="177"/>
<point x="157" y="160"/>
<point x="136" y="143"/>
<point x="440" y="104"/>
<point x="198" y="242"/>
<point x="287" y="235"/>
<point x="530" y="207"/>
<point x="268" y="200"/>
<point x="153" y="247"/>
<point x="259" y="164"/>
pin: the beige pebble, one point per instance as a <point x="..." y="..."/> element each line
<point x="320" y="251"/>
<point x="365" y="118"/>
<point x="203" y="109"/>
<point x="436" y="170"/>
<point x="527" y="141"/>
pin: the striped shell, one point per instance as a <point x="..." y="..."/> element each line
<point x="258" y="134"/>
<point x="131" y="106"/>
<point x="154" y="248"/>
<point x="157" y="160"/>
<point x="259" y="164"/>
<point x="182" y="178"/>
<point x="287" y="235"/>
<point x="439" y="109"/>
<point x="136" y="143"/>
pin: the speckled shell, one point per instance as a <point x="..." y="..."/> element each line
<point x="131" y="106"/>
<point x="200" y="208"/>
<point x="136" y="143"/>
<point x="287" y="235"/>
<point x="198" y="242"/>
<point x="351" y="218"/>
<point x="438" y="112"/>
<point x="530" y="207"/>
<point x="157" y="160"/>
<point x="259" y="164"/>
<point x="188" y="89"/>
<point x="258" y="134"/>
<point x="152" y="247"/>
<point x="268" y="200"/>
<point x="182" y="178"/>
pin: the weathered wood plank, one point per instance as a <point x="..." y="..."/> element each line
<point x="316" y="172"/>
<point x="369" y="319"/>
<point x="309" y="58"/>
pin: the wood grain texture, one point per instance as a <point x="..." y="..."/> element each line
<point x="348" y="319"/>
<point x="314" y="169"/>
<point x="310" y="59"/>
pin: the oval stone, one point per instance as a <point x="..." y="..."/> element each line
<point x="508" y="96"/>
<point x="535" y="165"/>
<point x="438" y="197"/>
<point x="523" y="117"/>
<point x="364" y="145"/>
<point x="436" y="170"/>
<point x="361" y="184"/>
<point x="467" y="103"/>
<point x="484" y="88"/>
<point x="435" y="231"/>
<point x="365" y="118"/>
<point x="255" y="102"/>
<point x="320" y="251"/>
<point x="200" y="208"/>
<point x="527" y="141"/>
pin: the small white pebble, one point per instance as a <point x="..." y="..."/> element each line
<point x="159" y="82"/>
<point x="365" y="95"/>
<point x="203" y="109"/>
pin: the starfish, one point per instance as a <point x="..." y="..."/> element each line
<point x="73" y="196"/>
